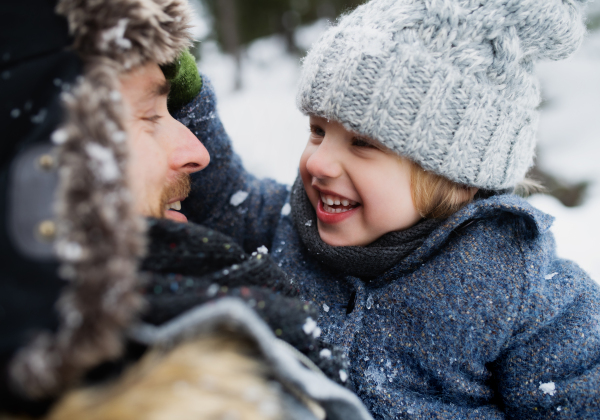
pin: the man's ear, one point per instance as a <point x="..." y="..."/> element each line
<point x="185" y="81"/>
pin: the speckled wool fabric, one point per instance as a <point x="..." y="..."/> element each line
<point x="188" y="265"/>
<point x="482" y="321"/>
<point x="446" y="83"/>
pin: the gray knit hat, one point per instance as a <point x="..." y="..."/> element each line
<point x="448" y="84"/>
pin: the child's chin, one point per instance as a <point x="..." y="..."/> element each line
<point x="334" y="238"/>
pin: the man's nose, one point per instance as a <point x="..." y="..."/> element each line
<point x="189" y="155"/>
<point x="325" y="161"/>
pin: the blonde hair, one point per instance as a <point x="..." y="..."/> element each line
<point x="436" y="197"/>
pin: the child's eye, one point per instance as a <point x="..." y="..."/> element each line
<point x="317" y="131"/>
<point x="358" y="142"/>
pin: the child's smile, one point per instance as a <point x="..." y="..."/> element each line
<point x="333" y="208"/>
<point x="359" y="190"/>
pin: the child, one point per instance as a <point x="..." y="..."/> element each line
<point x="441" y="286"/>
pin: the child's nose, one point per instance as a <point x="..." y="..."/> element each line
<point x="324" y="162"/>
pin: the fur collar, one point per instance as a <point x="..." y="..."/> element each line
<point x="99" y="239"/>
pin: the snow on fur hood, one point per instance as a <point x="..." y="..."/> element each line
<point x="69" y="58"/>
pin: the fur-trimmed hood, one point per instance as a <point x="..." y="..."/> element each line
<point x="96" y="237"/>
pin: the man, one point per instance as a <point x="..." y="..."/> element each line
<point x="65" y="316"/>
<point x="163" y="151"/>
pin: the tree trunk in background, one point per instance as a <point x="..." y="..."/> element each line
<point x="568" y="193"/>
<point x="227" y="15"/>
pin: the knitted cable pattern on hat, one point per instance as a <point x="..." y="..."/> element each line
<point x="448" y="84"/>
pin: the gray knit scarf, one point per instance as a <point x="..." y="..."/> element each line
<point x="360" y="261"/>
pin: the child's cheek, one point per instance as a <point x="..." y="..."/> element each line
<point x="307" y="178"/>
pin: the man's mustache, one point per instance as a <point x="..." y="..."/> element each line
<point x="177" y="189"/>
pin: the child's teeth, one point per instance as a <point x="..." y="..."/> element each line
<point x="333" y="200"/>
<point x="332" y="210"/>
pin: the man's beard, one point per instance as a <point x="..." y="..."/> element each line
<point x="179" y="188"/>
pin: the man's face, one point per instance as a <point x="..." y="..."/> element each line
<point x="163" y="152"/>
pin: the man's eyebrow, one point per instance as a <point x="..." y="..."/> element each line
<point x="162" y="89"/>
<point x="156" y="91"/>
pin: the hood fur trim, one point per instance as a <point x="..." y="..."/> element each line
<point x="100" y="239"/>
<point x="129" y="32"/>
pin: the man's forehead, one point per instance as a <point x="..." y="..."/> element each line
<point x="144" y="83"/>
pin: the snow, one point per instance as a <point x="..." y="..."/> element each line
<point x="69" y="251"/>
<point x="103" y="162"/>
<point x="369" y="40"/>
<point x="212" y="290"/>
<point x="325" y="307"/>
<point x="115" y="95"/>
<point x="308" y="35"/>
<point x="116" y="35"/>
<point x="201" y="25"/>
<point x="262" y="249"/>
<point x="269" y="133"/>
<point x="325" y="354"/>
<point x="119" y="136"/>
<point x="550" y="276"/>
<point x="238" y="198"/>
<point x="308" y="223"/>
<point x="369" y="302"/>
<point x="286" y="209"/>
<point x="548" y="388"/>
<point x="376" y="376"/>
<point x="310" y="328"/>
<point x="343" y="375"/>
<point x="59" y="136"/>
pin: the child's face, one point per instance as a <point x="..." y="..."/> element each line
<point x="359" y="190"/>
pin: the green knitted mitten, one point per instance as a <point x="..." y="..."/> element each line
<point x="185" y="81"/>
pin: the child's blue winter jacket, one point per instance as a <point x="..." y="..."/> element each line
<point x="482" y="321"/>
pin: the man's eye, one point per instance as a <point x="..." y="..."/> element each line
<point x="317" y="131"/>
<point x="152" y="119"/>
<point x="357" y="142"/>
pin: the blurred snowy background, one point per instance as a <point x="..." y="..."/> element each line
<point x="251" y="51"/>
